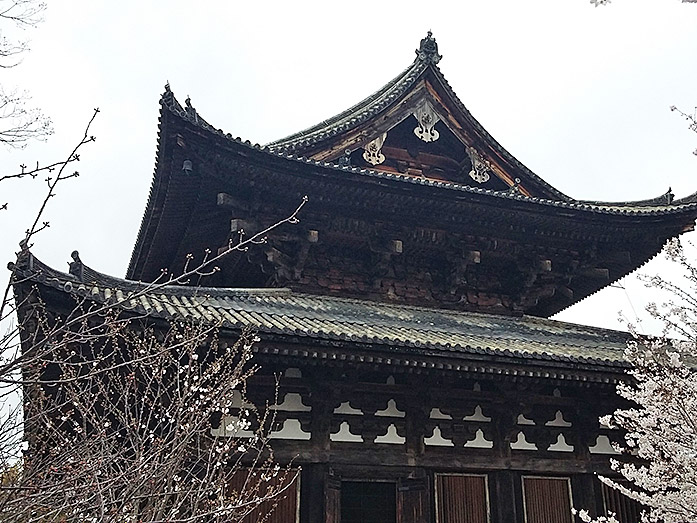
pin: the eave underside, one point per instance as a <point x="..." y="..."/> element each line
<point x="453" y="246"/>
<point x="351" y="331"/>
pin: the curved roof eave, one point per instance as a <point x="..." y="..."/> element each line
<point x="444" y="332"/>
<point x="642" y="208"/>
<point x="355" y="114"/>
<point x="386" y="97"/>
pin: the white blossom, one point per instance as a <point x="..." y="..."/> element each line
<point x="659" y="461"/>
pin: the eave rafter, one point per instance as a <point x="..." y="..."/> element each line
<point x="532" y="254"/>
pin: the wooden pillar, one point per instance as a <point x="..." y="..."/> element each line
<point x="585" y="491"/>
<point x="416" y="418"/>
<point x="504" y="497"/>
<point x="312" y="495"/>
<point x="414" y="500"/>
<point x="322" y="403"/>
<point x="332" y="499"/>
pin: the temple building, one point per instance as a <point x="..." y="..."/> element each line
<point x="408" y="309"/>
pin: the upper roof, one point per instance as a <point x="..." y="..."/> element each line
<point x="554" y="249"/>
<point x="421" y="87"/>
<point x="397" y="333"/>
<point x="357" y="126"/>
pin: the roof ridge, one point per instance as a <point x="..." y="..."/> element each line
<point x="398" y="84"/>
<point x="500" y="148"/>
<point x="613" y="208"/>
<point x="31" y="268"/>
<point x="667" y="198"/>
<point x="426" y="55"/>
<point x="440" y="333"/>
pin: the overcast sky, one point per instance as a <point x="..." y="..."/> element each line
<point x="580" y="95"/>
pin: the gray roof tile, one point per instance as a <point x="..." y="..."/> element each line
<point x="394" y="327"/>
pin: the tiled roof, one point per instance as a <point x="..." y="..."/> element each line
<point x="656" y="206"/>
<point x="356" y="114"/>
<point x="404" y="329"/>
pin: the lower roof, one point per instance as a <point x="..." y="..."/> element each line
<point x="399" y="329"/>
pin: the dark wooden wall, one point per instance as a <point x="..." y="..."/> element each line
<point x="322" y="403"/>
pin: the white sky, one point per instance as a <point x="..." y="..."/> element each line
<point x="580" y="95"/>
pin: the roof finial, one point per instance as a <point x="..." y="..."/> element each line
<point x="167" y="94"/>
<point x="76" y="268"/>
<point x="428" y="49"/>
<point x="190" y="111"/>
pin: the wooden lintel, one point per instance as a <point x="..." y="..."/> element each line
<point x="596" y="273"/>
<point x="276" y="257"/>
<point x="388" y="247"/>
<point x="249" y="227"/>
<point x="432" y="160"/>
<point x="226" y="200"/>
<point x="237" y="225"/>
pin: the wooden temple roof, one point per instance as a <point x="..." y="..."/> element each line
<point x="401" y="99"/>
<point x="349" y="330"/>
<point x="401" y="209"/>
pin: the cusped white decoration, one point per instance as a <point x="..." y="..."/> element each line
<point x="372" y="153"/>
<point x="427" y="117"/>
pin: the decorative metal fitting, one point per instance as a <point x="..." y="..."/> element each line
<point x="372" y="153"/>
<point x="427" y="117"/>
<point x="480" y="167"/>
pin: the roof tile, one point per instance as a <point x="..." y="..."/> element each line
<point x="386" y="325"/>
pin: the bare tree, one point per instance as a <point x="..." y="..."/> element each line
<point x="121" y="428"/>
<point x="690" y="118"/>
<point x="108" y="415"/>
<point x="18" y="15"/>
<point x="19" y="122"/>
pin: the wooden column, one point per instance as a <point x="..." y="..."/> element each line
<point x="504" y="497"/>
<point x="322" y="402"/>
<point x="414" y="500"/>
<point x="312" y="496"/>
<point x="416" y="417"/>
<point x="584" y="494"/>
<point x="332" y="499"/>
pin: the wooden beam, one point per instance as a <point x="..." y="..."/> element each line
<point x="597" y="273"/>
<point x="248" y="226"/>
<point x="226" y="200"/>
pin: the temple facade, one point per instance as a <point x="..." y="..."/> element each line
<point x="407" y="311"/>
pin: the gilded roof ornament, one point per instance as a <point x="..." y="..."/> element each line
<point x="428" y="50"/>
